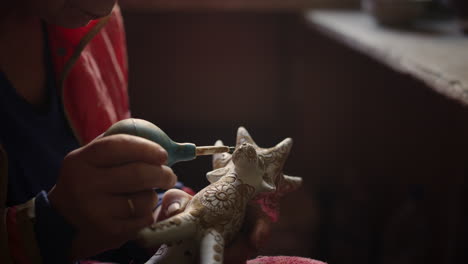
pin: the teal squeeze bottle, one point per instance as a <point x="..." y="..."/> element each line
<point x="176" y="151"/>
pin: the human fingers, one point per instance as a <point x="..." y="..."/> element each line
<point x="120" y="149"/>
<point x="133" y="205"/>
<point x="134" y="177"/>
<point x="174" y="201"/>
<point x="127" y="229"/>
<point x="119" y="217"/>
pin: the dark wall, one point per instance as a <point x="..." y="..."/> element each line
<point x="200" y="76"/>
<point x="382" y="155"/>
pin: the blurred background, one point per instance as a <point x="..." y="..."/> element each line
<point x="380" y="131"/>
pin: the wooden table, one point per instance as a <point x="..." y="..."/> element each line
<point x="435" y="52"/>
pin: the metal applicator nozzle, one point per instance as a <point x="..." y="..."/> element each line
<point x="210" y="150"/>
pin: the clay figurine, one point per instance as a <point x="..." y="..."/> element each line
<point x="215" y="214"/>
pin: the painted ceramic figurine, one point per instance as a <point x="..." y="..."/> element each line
<point x="215" y="215"/>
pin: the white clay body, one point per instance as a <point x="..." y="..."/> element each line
<point x="215" y="214"/>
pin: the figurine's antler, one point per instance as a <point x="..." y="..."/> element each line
<point x="244" y="137"/>
<point x="270" y="201"/>
<point x="221" y="159"/>
<point x="288" y="184"/>
<point x="215" y="175"/>
<point x="276" y="157"/>
<point x="280" y="151"/>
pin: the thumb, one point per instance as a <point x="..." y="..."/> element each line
<point x="174" y="201"/>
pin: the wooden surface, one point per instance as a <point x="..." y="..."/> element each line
<point x="435" y="53"/>
<point x="234" y="5"/>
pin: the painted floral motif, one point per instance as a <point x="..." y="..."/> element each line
<point x="220" y="197"/>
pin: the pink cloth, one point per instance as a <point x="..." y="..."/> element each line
<point x="259" y="260"/>
<point x="93" y="262"/>
<point x="283" y="260"/>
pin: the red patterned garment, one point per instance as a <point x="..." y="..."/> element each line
<point x="91" y="67"/>
<point x="91" y="72"/>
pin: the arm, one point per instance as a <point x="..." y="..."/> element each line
<point x="20" y="237"/>
<point x="92" y="194"/>
<point x="26" y="235"/>
<point x="25" y="228"/>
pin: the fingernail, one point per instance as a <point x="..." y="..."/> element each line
<point x="172" y="208"/>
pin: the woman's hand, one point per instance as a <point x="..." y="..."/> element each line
<point x="105" y="190"/>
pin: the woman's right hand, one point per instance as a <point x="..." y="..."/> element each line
<point x="105" y="191"/>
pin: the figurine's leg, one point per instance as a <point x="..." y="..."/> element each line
<point x="160" y="254"/>
<point x="211" y="247"/>
<point x="173" y="229"/>
<point x="185" y="252"/>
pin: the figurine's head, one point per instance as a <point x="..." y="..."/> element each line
<point x="245" y="156"/>
<point x="249" y="167"/>
<point x="273" y="184"/>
